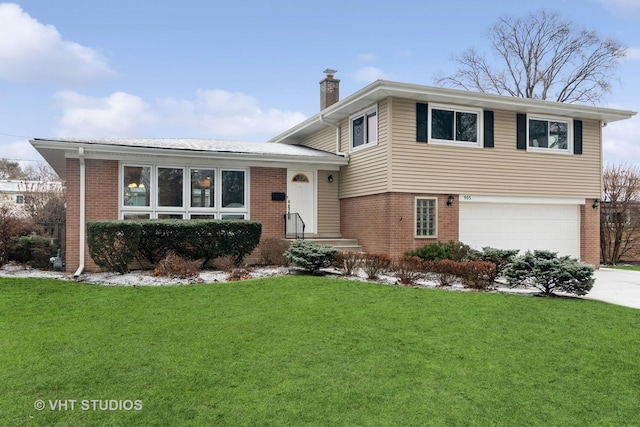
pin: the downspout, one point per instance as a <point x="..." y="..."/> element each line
<point x="338" y="152"/>
<point x="82" y="212"/>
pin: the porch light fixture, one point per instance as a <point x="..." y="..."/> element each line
<point x="450" y="200"/>
<point x="596" y="204"/>
<point x="330" y="178"/>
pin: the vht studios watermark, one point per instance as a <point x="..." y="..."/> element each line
<point x="88" y="405"/>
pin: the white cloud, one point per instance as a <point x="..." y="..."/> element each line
<point x="623" y="7"/>
<point x="633" y="54"/>
<point x="369" y="74"/>
<point x="620" y="141"/>
<point x="19" y="149"/>
<point x="33" y="52"/>
<point x="210" y="114"/>
<point x="367" y="57"/>
<point x="120" y="114"/>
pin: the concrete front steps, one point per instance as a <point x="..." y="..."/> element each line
<point x="339" y="243"/>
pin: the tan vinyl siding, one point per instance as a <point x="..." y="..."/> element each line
<point x="503" y="170"/>
<point x="324" y="140"/>
<point x="328" y="204"/>
<point x="368" y="167"/>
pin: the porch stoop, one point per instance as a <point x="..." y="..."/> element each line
<point x="339" y="243"/>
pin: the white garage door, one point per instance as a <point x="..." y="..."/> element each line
<point x="521" y="226"/>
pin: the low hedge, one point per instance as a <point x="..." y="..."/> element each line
<point x="113" y="245"/>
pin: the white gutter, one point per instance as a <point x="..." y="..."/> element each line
<point x="338" y="152"/>
<point x="82" y="212"/>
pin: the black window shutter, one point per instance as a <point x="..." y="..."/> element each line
<point x="422" y="112"/>
<point x="488" y="129"/>
<point x="521" y="143"/>
<point x="577" y="137"/>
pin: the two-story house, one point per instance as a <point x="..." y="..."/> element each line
<point x="394" y="165"/>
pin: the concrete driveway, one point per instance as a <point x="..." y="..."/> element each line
<point x="621" y="287"/>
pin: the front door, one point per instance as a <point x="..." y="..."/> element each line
<point x="301" y="197"/>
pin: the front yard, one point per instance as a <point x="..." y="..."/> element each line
<point x="301" y="350"/>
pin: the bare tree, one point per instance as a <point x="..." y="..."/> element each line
<point x="44" y="201"/>
<point x="10" y="170"/>
<point x="540" y="56"/>
<point x="620" y="213"/>
<point x="40" y="172"/>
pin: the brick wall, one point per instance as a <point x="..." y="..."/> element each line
<point x="590" y="233"/>
<point x="265" y="181"/>
<point x="385" y="223"/>
<point x="101" y="203"/>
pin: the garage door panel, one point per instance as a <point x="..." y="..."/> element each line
<point x="521" y="226"/>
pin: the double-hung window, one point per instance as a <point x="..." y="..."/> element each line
<point x="426" y="217"/>
<point x="549" y="134"/>
<point x="19" y="199"/>
<point x="364" y="129"/>
<point x="452" y="125"/>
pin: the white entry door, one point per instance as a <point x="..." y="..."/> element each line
<point x="301" y="197"/>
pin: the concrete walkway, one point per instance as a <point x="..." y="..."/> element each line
<point x="621" y="287"/>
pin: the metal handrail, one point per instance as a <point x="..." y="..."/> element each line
<point x="294" y="225"/>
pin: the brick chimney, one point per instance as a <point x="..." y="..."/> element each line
<point x="329" y="89"/>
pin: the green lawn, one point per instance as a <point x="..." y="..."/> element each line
<point x="625" y="267"/>
<point x="300" y="350"/>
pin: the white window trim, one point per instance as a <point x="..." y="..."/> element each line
<point x="221" y="209"/>
<point x="415" y="218"/>
<point x="200" y="210"/>
<point x="364" y="113"/>
<point x="153" y="210"/>
<point x="456" y="109"/>
<point x="568" y="121"/>
<point x="168" y="209"/>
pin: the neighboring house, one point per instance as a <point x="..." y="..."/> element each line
<point x="394" y="165"/>
<point x="12" y="193"/>
<point x="12" y="197"/>
<point x="620" y="231"/>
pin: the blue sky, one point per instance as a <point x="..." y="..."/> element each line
<point x="248" y="70"/>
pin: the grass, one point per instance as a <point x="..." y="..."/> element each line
<point x="301" y="350"/>
<point x="625" y="267"/>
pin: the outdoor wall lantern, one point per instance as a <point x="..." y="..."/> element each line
<point x="330" y="178"/>
<point x="596" y="204"/>
<point x="450" y="200"/>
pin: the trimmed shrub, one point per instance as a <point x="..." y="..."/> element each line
<point x="173" y="265"/>
<point x="548" y="273"/>
<point x="113" y="244"/>
<point x="445" y="271"/>
<point x="156" y="239"/>
<point x="477" y="274"/>
<point x="35" y="251"/>
<point x="348" y="262"/>
<point x="408" y="269"/>
<point x="501" y="258"/>
<point x="210" y="239"/>
<point x="309" y="255"/>
<point x="375" y="264"/>
<point x="455" y="251"/>
<point x="272" y="249"/>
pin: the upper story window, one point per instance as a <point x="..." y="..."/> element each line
<point x="364" y="129"/>
<point x="454" y="125"/>
<point x="19" y="199"/>
<point x="548" y="134"/>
